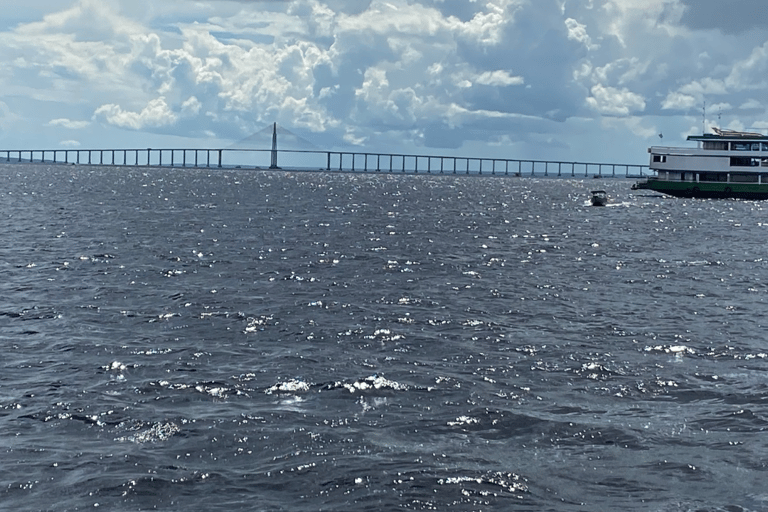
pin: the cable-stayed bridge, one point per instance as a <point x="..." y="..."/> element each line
<point x="239" y="156"/>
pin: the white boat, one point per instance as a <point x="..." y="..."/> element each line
<point x="726" y="164"/>
<point x="599" y="198"/>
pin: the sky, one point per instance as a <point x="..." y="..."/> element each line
<point x="559" y="80"/>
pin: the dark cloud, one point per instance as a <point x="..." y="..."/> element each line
<point x="543" y="56"/>
<point x="438" y="135"/>
<point x="731" y="17"/>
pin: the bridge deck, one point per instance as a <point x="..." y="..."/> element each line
<point x="322" y="161"/>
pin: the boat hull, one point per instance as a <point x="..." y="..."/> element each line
<point x="704" y="190"/>
<point x="599" y="198"/>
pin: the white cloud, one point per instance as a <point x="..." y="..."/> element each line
<point x="68" y="123"/>
<point x="7" y="118"/>
<point x="351" y="138"/>
<point x="679" y="101"/>
<point x="723" y="106"/>
<point x="631" y="21"/>
<point x="750" y="73"/>
<point x="615" y="102"/>
<point x="621" y="71"/>
<point x="578" y="32"/>
<point x="499" y="78"/>
<point x="488" y="27"/>
<point x="751" y="104"/>
<point x="155" y="114"/>
<point x="369" y="72"/>
<point x="694" y="94"/>
<point x="704" y="87"/>
<point x="191" y="107"/>
<point x="636" y="125"/>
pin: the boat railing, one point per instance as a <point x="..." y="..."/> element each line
<point x="664" y="150"/>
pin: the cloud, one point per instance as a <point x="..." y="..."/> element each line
<point x="7" y="117"/>
<point x="68" y="123"/>
<point x="578" y="32"/>
<point x="679" y="101"/>
<point x="631" y="22"/>
<point x="369" y="73"/>
<point x="703" y="87"/>
<point x="191" y="107"/>
<point x="733" y="17"/>
<point x="752" y="104"/>
<point x="615" y="102"/>
<point x="155" y="114"/>
<point x="499" y="78"/>
<point x="750" y="72"/>
<point x="634" y="124"/>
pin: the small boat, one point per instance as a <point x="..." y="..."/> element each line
<point x="727" y="164"/>
<point x="599" y="198"/>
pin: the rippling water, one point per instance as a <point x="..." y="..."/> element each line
<point x="207" y="340"/>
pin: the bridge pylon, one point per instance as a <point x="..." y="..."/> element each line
<point x="273" y="164"/>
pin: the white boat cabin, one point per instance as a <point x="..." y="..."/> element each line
<point x="724" y="156"/>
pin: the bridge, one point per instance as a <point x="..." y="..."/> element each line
<point x="338" y="161"/>
<point x="319" y="160"/>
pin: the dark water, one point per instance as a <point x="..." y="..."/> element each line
<point x="197" y="340"/>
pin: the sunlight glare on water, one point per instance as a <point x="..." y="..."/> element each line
<point x="240" y="340"/>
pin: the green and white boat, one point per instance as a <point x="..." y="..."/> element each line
<point x="726" y="164"/>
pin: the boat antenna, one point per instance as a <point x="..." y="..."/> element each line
<point x="704" y="118"/>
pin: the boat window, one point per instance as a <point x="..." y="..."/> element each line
<point x="659" y="158"/>
<point x="740" y="161"/>
<point x="741" y="146"/>
<point x="764" y="146"/>
<point x="744" y="178"/>
<point x="713" y="176"/>
<point x="717" y="145"/>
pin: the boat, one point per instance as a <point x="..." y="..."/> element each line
<point x="599" y="198"/>
<point x="727" y="164"/>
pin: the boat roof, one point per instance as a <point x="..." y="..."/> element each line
<point x="729" y="135"/>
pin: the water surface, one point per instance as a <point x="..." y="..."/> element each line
<point x="242" y="340"/>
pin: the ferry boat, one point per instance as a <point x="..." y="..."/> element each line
<point x="726" y="164"/>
